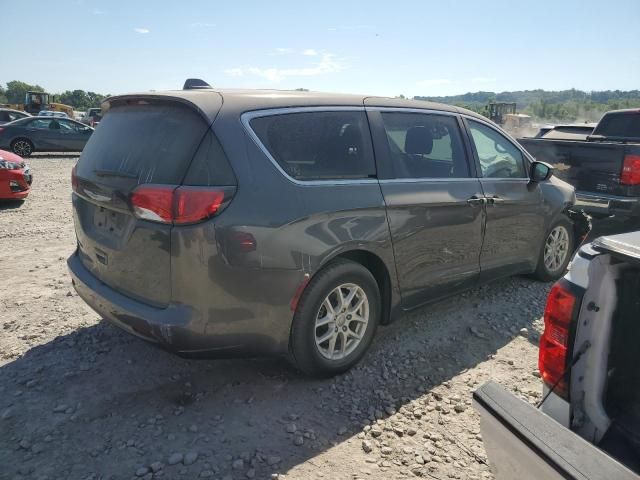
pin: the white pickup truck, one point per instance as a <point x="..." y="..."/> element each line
<point x="588" y="424"/>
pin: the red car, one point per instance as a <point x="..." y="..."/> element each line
<point x="15" y="177"/>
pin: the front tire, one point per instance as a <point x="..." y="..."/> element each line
<point x="556" y="252"/>
<point x="335" y="320"/>
<point x="22" y="147"/>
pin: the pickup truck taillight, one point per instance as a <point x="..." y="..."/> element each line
<point x="560" y="315"/>
<point x="177" y="205"/>
<point x="630" y="174"/>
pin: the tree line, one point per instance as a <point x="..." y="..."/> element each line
<point x="562" y="105"/>
<point x="15" y="91"/>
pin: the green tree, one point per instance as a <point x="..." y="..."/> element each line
<point x="16" y="91"/>
<point x="3" y="95"/>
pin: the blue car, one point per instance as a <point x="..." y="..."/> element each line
<point x="44" y="134"/>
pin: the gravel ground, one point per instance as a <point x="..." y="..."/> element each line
<point x="79" y="399"/>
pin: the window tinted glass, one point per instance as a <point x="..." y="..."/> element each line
<point x="210" y="166"/>
<point x="318" y="145"/>
<point x="499" y="158"/>
<point x="425" y="146"/>
<point x="619" y="125"/>
<point x="41" y="124"/>
<point x="152" y="143"/>
<point x="5" y="117"/>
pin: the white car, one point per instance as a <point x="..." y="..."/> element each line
<point x="588" y="423"/>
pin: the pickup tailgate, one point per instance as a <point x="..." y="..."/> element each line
<point x="592" y="167"/>
<point x="525" y="444"/>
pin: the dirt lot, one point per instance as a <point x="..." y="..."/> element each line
<point x="80" y="399"/>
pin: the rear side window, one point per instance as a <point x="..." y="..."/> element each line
<point x="425" y="146"/>
<point x="152" y="143"/>
<point x="210" y="166"/>
<point x="318" y="145"/>
<point x="619" y="125"/>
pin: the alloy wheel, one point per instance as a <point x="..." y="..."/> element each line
<point x="22" y="148"/>
<point x="341" y="321"/>
<point x="556" y="248"/>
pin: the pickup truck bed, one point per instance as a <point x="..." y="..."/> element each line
<point x="525" y="444"/>
<point x="594" y="169"/>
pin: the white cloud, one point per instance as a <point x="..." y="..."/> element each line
<point x="97" y="11"/>
<point x="434" y="82"/>
<point x="234" y="72"/>
<point x="141" y="30"/>
<point x="310" y="52"/>
<point x="326" y="64"/>
<point x="282" y="51"/>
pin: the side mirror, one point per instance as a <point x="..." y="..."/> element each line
<point x="540" y="171"/>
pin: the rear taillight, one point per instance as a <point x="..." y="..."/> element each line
<point x="630" y="174"/>
<point x="1" y="129"/>
<point x="559" y="315"/>
<point x="177" y="205"/>
<point x="74" y="179"/>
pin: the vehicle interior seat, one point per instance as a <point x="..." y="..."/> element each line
<point x="418" y="143"/>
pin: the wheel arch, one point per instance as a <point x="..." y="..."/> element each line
<point x="380" y="271"/>
<point x="22" y="137"/>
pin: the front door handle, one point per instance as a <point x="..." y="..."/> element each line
<point x="492" y="200"/>
<point x="475" y="200"/>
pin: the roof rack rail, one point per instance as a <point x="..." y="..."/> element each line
<point x="195" y="84"/>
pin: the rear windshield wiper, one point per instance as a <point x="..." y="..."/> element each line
<point x="113" y="173"/>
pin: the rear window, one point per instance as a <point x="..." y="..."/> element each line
<point x="318" y="145"/>
<point x="619" y="125"/>
<point x="152" y="143"/>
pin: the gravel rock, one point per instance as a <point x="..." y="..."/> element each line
<point x="238" y="464"/>
<point x="190" y="458"/>
<point x="291" y="428"/>
<point x="367" y="446"/>
<point x="57" y="354"/>
<point x="175" y="458"/>
<point x="142" y="471"/>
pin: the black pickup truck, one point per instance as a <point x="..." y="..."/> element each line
<point x="604" y="168"/>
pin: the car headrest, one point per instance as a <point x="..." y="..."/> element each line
<point x="418" y="141"/>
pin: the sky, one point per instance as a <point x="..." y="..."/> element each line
<point x="429" y="48"/>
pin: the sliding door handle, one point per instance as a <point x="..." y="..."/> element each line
<point x="494" y="199"/>
<point x="475" y="200"/>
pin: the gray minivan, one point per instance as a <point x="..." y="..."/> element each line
<point x="227" y="222"/>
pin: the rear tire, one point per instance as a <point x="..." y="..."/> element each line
<point x="556" y="252"/>
<point x="23" y="147"/>
<point x="335" y="320"/>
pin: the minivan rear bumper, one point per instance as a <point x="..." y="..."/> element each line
<point x="177" y="328"/>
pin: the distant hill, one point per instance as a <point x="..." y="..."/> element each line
<point x="563" y="105"/>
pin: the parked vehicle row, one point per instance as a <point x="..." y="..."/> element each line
<point x="295" y="223"/>
<point x="92" y="117"/>
<point x="44" y="134"/>
<point x="604" y="166"/>
<point x="8" y="115"/>
<point x="588" y="426"/>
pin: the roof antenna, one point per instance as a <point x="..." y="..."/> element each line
<point x="195" y="84"/>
